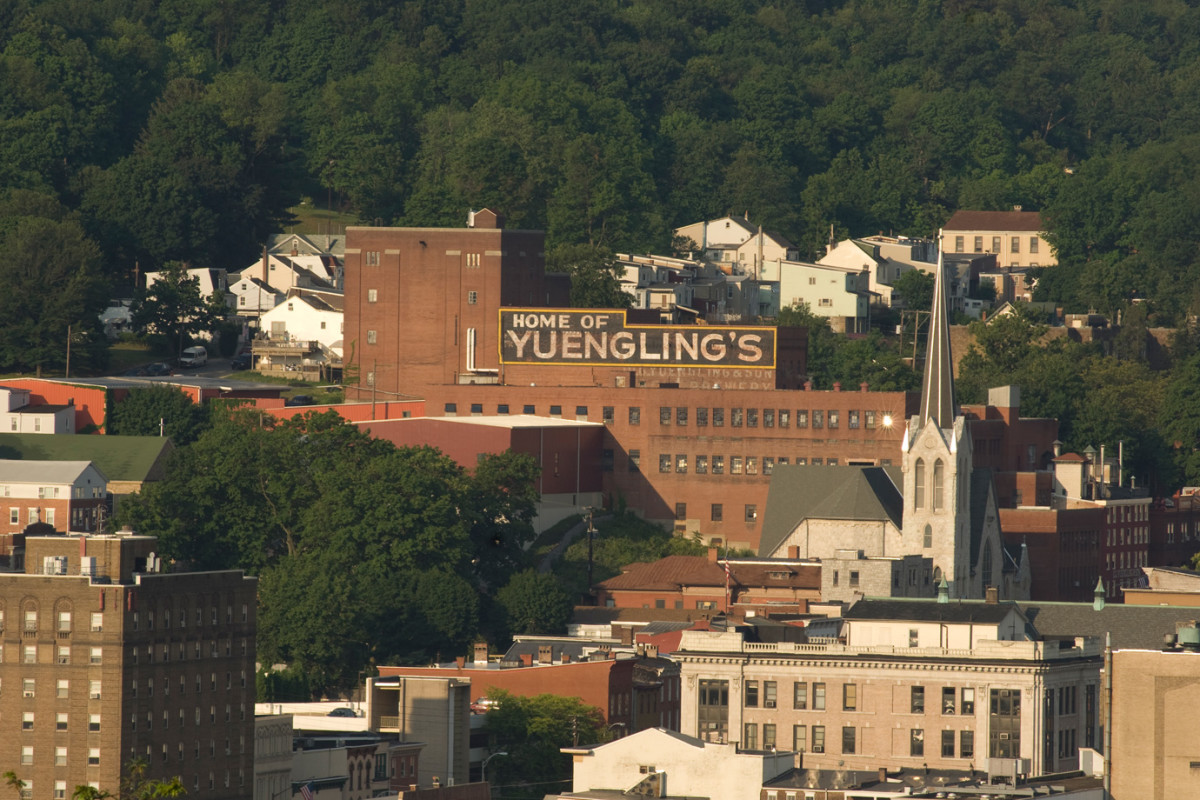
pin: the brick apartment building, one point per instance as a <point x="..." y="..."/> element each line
<point x="686" y="443"/>
<point x="107" y="659"/>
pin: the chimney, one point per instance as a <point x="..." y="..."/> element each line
<point x="651" y="651"/>
<point x="864" y="387"/>
<point x="527" y="659"/>
<point x="713" y="555"/>
<point x="566" y="658"/>
<point x="263" y="270"/>
<point x="460" y="661"/>
<point x="481" y="653"/>
<point x="545" y="654"/>
<point x="837" y="386"/>
<point x="992" y="595"/>
<point x="883" y="774"/>
<point x="793" y="552"/>
<point x="808" y="385"/>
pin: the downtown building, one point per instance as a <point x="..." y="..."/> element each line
<point x="106" y="659"/>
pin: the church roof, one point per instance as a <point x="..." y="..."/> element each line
<point x="981" y="486"/>
<point x="937" y="387"/>
<point x="799" y="492"/>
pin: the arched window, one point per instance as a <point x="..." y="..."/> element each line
<point x="927" y="537"/>
<point x="919" y="480"/>
<point x="939" y="474"/>
<point x="987" y="565"/>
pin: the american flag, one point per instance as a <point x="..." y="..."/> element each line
<point x="306" y="791"/>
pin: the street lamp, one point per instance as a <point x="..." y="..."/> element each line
<point x="483" y="769"/>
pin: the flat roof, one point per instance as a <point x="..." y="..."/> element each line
<point x="506" y="421"/>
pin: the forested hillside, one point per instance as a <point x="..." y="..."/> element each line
<point x="185" y="129"/>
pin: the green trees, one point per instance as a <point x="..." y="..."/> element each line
<point x="533" y="730"/>
<point x="174" y="310"/>
<point x="595" y="276"/>
<point x="533" y="602"/>
<point x="155" y="410"/>
<point x="50" y="286"/>
<point x="366" y="553"/>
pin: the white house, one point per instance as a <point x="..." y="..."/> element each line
<point x="737" y="246"/>
<point x="18" y="416"/>
<point x="212" y="281"/>
<point x="253" y="297"/>
<point x="839" y="293"/>
<point x="284" y="273"/>
<point x="884" y="258"/>
<point x="305" y="329"/>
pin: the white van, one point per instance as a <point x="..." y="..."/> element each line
<point x="193" y="357"/>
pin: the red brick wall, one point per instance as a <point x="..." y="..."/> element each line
<point x="590" y="681"/>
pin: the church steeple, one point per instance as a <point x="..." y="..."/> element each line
<point x="937" y="388"/>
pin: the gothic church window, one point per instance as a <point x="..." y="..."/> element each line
<point x="919" y="481"/>
<point x="939" y="470"/>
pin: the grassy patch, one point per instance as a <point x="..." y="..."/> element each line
<point x="124" y="356"/>
<point x="311" y="219"/>
<point x="549" y="538"/>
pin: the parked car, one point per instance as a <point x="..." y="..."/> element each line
<point x="158" y="369"/>
<point x="299" y="400"/>
<point x="240" y="362"/>
<point x="193" y="357"/>
<point x="342" y="712"/>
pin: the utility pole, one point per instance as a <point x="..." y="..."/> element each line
<point x="591" y="532"/>
<point x="67" y="371"/>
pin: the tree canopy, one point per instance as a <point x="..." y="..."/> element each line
<point x="367" y="553"/>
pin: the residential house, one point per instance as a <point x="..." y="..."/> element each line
<point x="841" y="294"/>
<point x="1016" y="238"/>
<point x="253" y="296"/>
<point x="307" y="244"/>
<point x="284" y="273"/>
<point x="127" y="462"/>
<point x="67" y="495"/>
<point x="737" y="247"/>
<point x="884" y="258"/>
<point x="302" y="333"/>
<point x="210" y="280"/>
<point x="19" y="415"/>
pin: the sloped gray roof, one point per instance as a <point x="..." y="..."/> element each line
<point x="926" y="610"/>
<point x="981" y="486"/>
<point x="800" y="492"/>
<point x="1132" y="627"/>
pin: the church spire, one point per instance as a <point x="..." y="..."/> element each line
<point x="937" y="389"/>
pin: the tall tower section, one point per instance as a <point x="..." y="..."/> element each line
<point x="937" y="462"/>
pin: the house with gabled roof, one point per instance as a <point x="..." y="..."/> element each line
<point x="128" y="462"/>
<point x="736" y="246"/>
<point x="1017" y="238"/>
<point x="304" y="330"/>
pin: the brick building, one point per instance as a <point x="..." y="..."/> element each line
<point x="632" y="691"/>
<point x="685" y="443"/>
<point x="66" y="495"/>
<point x="758" y="586"/>
<point x="108" y="659"/>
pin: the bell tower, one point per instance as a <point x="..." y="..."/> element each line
<point x="937" y="461"/>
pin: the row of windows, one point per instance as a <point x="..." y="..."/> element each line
<point x="29" y="688"/>
<point x="710" y="417"/>
<point x="213" y="617"/>
<point x="770" y="417"/>
<point x="29" y="654"/>
<point x="60" y="758"/>
<point x="198" y="717"/>
<point x="716" y="512"/>
<point x="1126" y="560"/>
<point x="61" y="722"/>
<point x="803" y="742"/>
<point x="214" y="651"/>
<point x="715" y="464"/>
<point x="811" y="697"/>
<point x="65" y="618"/>
<point x="166" y="684"/>
<point x="1014" y="244"/>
